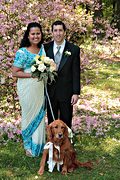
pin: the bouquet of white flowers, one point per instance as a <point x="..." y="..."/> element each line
<point x="44" y="68"/>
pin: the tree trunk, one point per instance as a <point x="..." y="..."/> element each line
<point x="98" y="9"/>
<point x="116" y="13"/>
<point x="98" y="14"/>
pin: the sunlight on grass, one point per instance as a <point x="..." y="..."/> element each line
<point x="8" y="173"/>
<point x="99" y="99"/>
<point x="104" y="78"/>
<point x="94" y="91"/>
<point x="111" y="145"/>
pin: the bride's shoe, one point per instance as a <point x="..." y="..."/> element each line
<point x="29" y="153"/>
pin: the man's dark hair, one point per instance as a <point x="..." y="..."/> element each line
<point x="25" y="41"/>
<point x="59" y="23"/>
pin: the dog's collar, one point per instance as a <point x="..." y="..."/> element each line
<point x="58" y="142"/>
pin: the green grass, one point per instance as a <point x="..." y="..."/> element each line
<point x="103" y="87"/>
<point x="104" y="152"/>
<point x="105" y="78"/>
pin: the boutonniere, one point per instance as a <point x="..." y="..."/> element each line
<point x="67" y="53"/>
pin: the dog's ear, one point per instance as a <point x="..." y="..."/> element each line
<point x="49" y="133"/>
<point x="66" y="131"/>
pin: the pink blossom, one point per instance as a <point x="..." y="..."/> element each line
<point x="11" y="135"/>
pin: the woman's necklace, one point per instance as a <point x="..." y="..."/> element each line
<point x="33" y="50"/>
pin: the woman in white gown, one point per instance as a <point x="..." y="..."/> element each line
<point x="30" y="90"/>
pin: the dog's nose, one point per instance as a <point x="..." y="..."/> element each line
<point x="60" y="135"/>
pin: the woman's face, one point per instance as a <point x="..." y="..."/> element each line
<point x="34" y="35"/>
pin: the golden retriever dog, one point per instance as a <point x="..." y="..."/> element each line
<point x="57" y="134"/>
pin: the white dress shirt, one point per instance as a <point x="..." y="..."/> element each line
<point x="61" y="49"/>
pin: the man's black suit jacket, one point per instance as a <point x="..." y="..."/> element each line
<point x="67" y="82"/>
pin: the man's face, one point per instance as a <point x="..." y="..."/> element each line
<point x="58" y="34"/>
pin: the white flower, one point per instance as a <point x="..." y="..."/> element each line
<point x="37" y="59"/>
<point x="67" y="53"/>
<point x="33" y="68"/>
<point x="39" y="62"/>
<point x="52" y="68"/>
<point x="47" y="60"/>
<point x="41" y="67"/>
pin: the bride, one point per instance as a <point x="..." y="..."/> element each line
<point x="30" y="90"/>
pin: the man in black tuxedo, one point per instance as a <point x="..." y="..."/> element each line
<point x="63" y="92"/>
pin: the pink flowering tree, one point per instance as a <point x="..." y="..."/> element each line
<point x="15" y="16"/>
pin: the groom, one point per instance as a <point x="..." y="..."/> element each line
<point x="63" y="92"/>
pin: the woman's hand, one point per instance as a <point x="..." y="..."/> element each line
<point x="19" y="73"/>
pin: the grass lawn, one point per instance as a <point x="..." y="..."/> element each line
<point x="104" y="87"/>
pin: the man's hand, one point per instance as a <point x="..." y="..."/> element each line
<point x="74" y="99"/>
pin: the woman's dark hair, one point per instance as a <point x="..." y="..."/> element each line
<point x="25" y="41"/>
<point x="59" y="23"/>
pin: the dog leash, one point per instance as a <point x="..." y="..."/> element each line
<point x="49" y="102"/>
<point x="69" y="130"/>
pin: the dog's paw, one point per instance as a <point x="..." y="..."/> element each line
<point x="41" y="171"/>
<point x="64" y="171"/>
<point x="70" y="170"/>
